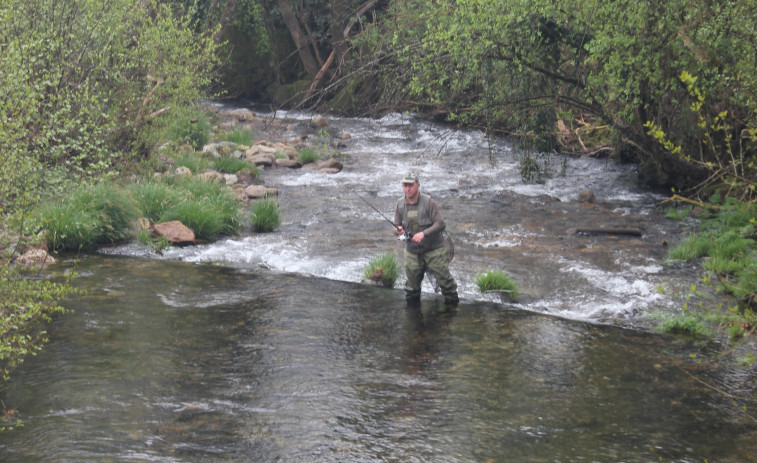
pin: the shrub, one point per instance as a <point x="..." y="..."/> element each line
<point x="496" y="281"/>
<point x="308" y="155"/>
<point x="383" y="270"/>
<point x="193" y="129"/>
<point x="265" y="214"/>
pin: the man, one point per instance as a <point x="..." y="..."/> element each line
<point x="418" y="215"/>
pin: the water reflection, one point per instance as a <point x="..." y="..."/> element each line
<point x="168" y="361"/>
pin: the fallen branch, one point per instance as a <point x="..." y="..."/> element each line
<point x="689" y="201"/>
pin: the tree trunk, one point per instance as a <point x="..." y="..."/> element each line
<point x="299" y="37"/>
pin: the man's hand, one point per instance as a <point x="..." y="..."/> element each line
<point x="418" y="237"/>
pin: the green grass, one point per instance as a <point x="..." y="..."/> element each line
<point x="231" y="165"/>
<point x="194" y="162"/>
<point x="497" y="281"/>
<point x="265" y="214"/>
<point x="154" y="197"/>
<point x="89" y="216"/>
<point x="207" y="208"/>
<point x="684" y="324"/>
<point x="678" y="214"/>
<point x="383" y="269"/>
<point x="244" y="137"/>
<point x="308" y="155"/>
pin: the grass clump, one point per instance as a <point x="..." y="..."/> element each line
<point x="265" y="214"/>
<point x="232" y="165"/>
<point x="239" y="136"/>
<point x="497" y="281"/>
<point x="684" y="324"/>
<point x="154" y="197"/>
<point x="194" y="162"/>
<point x="208" y="208"/>
<point x="308" y="155"/>
<point x="384" y="270"/>
<point x="89" y="216"/>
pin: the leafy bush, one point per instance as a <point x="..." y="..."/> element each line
<point x="496" y="281"/>
<point x="383" y="270"/>
<point x="193" y="129"/>
<point x="20" y="334"/>
<point x="265" y="214"/>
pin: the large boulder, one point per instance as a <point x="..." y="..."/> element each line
<point x="329" y="166"/>
<point x="36" y="258"/>
<point x="260" y="191"/>
<point x="175" y="232"/>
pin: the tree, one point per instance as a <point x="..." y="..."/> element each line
<point x="519" y="65"/>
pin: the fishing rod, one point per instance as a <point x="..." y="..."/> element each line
<point x="402" y="237"/>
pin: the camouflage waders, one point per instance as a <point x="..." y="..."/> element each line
<point x="435" y="261"/>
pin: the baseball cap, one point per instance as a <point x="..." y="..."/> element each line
<point x="410" y="177"/>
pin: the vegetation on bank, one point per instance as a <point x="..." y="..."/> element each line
<point x="89" y="89"/>
<point x="725" y="246"/>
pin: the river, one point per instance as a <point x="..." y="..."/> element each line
<point x="266" y="347"/>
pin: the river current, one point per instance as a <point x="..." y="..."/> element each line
<point x="265" y="347"/>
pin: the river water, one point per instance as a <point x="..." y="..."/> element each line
<point x="265" y="347"/>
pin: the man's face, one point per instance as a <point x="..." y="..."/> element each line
<point x="411" y="190"/>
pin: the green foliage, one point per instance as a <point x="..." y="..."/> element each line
<point x="514" y="65"/>
<point x="728" y="250"/>
<point x="307" y="155"/>
<point x="85" y="82"/>
<point x="497" y="281"/>
<point x="384" y="270"/>
<point x="232" y="165"/>
<point x="89" y="216"/>
<point x="684" y="324"/>
<point x="25" y="304"/>
<point x="265" y="214"/>
<point x="192" y="128"/>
